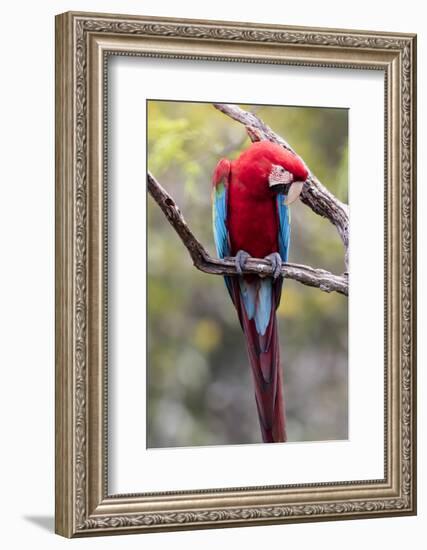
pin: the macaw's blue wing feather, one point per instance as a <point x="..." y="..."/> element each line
<point x="256" y="297"/>
<point x="219" y="207"/>
<point x="284" y="227"/>
<point x="220" y="182"/>
<point x="283" y="239"/>
<point x="264" y="308"/>
<point x="219" y="218"/>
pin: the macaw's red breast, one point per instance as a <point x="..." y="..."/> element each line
<point x="252" y="221"/>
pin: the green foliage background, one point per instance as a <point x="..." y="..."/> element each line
<point x="199" y="382"/>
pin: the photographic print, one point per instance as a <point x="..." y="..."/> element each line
<point x="250" y="357"/>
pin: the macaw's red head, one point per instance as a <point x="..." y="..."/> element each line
<point x="265" y="168"/>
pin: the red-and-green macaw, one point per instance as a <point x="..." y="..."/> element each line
<point x="251" y="218"/>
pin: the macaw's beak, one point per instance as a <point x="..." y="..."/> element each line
<point x="294" y="192"/>
<point x="279" y="187"/>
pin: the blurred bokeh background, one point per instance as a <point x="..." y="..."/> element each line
<point x="198" y="377"/>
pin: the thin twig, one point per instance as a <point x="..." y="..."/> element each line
<point x="319" y="278"/>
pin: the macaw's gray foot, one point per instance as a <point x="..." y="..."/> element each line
<point x="240" y="260"/>
<point x="276" y="263"/>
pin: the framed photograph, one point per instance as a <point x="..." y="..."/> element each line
<point x="230" y="349"/>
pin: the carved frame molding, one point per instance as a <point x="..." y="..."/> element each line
<point x="83" y="43"/>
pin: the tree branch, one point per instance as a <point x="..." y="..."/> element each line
<point x="319" y="278"/>
<point x="315" y="195"/>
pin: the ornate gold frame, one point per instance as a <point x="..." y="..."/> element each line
<point x="83" y="42"/>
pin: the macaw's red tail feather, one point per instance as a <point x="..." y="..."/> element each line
<point x="274" y="431"/>
<point x="264" y="358"/>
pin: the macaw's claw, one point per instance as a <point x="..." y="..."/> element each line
<point x="240" y="260"/>
<point x="276" y="263"/>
